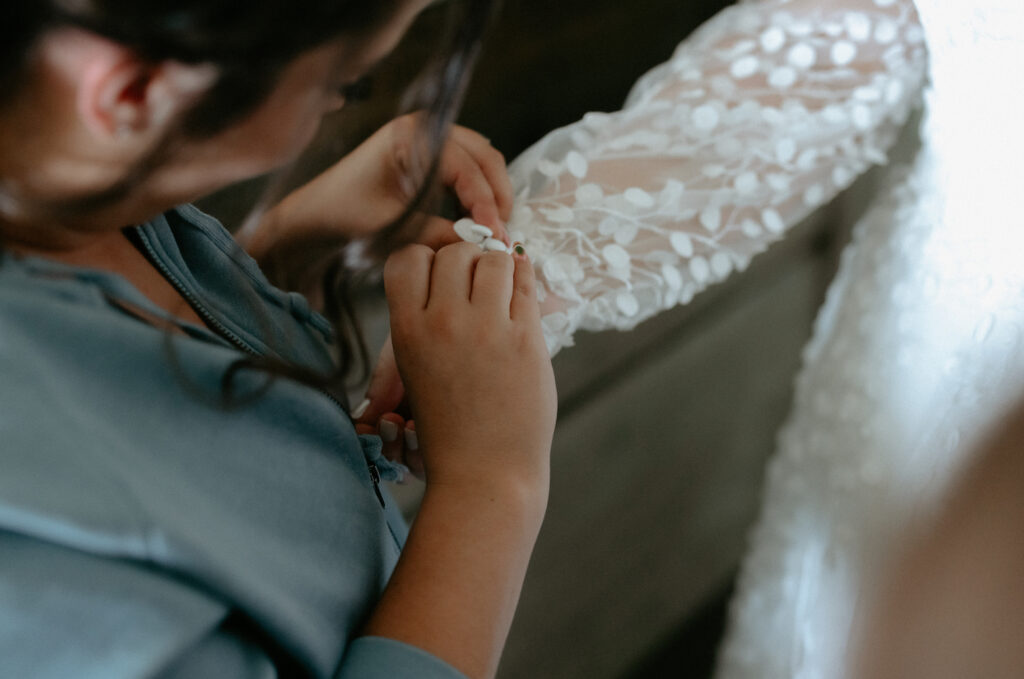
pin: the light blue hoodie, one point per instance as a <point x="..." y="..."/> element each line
<point x="147" y="533"/>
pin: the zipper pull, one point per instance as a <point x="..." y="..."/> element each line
<point x="375" y="477"/>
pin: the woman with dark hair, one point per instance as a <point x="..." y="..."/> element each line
<point x="151" y="530"/>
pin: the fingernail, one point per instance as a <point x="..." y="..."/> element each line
<point x="464" y="230"/>
<point x="519" y="249"/>
<point x="470" y="231"/>
<point x="360" y="409"/>
<point x="495" y="245"/>
<point x="482" y="231"/>
<point x="412" y="442"/>
<point x="388" y="431"/>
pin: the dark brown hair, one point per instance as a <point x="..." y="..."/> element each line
<point x="251" y="43"/>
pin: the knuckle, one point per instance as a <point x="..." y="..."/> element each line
<point x="491" y="337"/>
<point x="459" y="251"/>
<point x="524" y="286"/>
<point x="401" y="154"/>
<point x="444" y="324"/>
<point x="489" y="343"/>
<point x="404" y="126"/>
<point x="403" y="134"/>
<point x="498" y="261"/>
<point x="468" y="185"/>
<point x="392" y="269"/>
<point x="530" y="347"/>
<point x="398" y="264"/>
<point x="404" y="254"/>
<point x="402" y="329"/>
<point x="418" y="250"/>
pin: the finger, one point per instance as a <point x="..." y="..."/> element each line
<point x="390" y="427"/>
<point x="407" y="279"/>
<point x="365" y="429"/>
<point x="493" y="165"/>
<point x="452" y="276"/>
<point x="524" y="304"/>
<point x="463" y="174"/>
<point x="413" y="457"/>
<point x="391" y="430"/>
<point x="492" y="282"/>
<point x="437" y="232"/>
<point x="385" y="391"/>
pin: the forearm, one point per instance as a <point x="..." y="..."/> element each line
<point x="456" y="586"/>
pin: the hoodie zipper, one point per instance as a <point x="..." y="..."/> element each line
<point x="193" y="302"/>
<point x="234" y="339"/>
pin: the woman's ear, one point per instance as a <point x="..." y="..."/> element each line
<point x="119" y="94"/>
<point x="172" y="88"/>
<point x="112" y="95"/>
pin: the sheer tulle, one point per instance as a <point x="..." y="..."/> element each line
<point x="761" y="116"/>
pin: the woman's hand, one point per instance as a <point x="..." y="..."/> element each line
<point x="365" y="192"/>
<point x="470" y="350"/>
<point x="377" y="414"/>
<point x="468" y="342"/>
<point x="371" y="186"/>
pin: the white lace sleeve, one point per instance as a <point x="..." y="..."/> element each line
<point x="762" y="115"/>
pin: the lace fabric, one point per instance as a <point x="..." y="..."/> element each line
<point x="763" y="115"/>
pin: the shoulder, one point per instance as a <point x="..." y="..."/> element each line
<point x="196" y="249"/>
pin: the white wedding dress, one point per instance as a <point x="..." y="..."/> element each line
<point x="761" y="116"/>
<point x="917" y="352"/>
